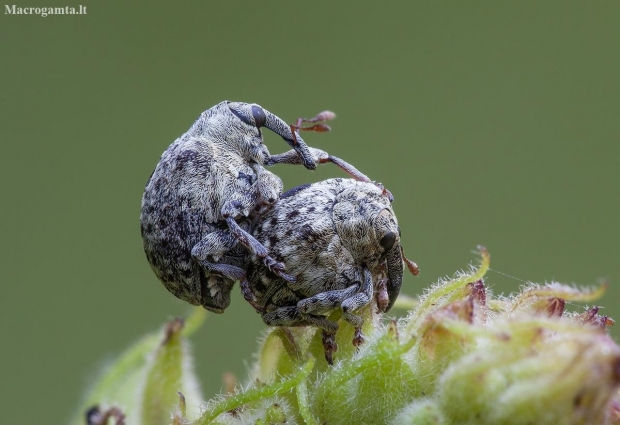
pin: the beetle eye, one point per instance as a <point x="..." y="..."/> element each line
<point x="387" y="241"/>
<point x="259" y="116"/>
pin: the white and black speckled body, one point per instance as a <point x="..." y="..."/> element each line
<point x="336" y="237"/>
<point x="198" y="203"/>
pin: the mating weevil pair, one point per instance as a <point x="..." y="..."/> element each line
<point x="210" y="211"/>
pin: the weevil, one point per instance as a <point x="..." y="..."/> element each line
<point x="207" y="189"/>
<point x="338" y="238"/>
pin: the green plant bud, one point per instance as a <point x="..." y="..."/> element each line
<point x="439" y="345"/>
<point x="550" y="299"/>
<point x="275" y="414"/>
<point x="420" y="412"/>
<point x="446" y="291"/>
<point x="566" y="377"/>
<point x="168" y="372"/>
<point x="127" y="384"/>
<point x="378" y="378"/>
<point x="250" y="404"/>
<point x="461" y="356"/>
<point x="119" y="382"/>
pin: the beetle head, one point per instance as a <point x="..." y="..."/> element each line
<point x="254" y="117"/>
<point x="242" y="131"/>
<point x="367" y="227"/>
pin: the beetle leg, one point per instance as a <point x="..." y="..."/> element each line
<point x="357" y="301"/>
<point x="249" y="296"/>
<point x="226" y="270"/>
<point x="275" y="124"/>
<point x="322" y="157"/>
<point x="239" y="207"/>
<point x="291" y="316"/>
<point x="216" y="244"/>
<point x="329" y="346"/>
<point x="325" y="302"/>
<point x="356" y="174"/>
<point x="291" y="157"/>
<point x="351" y="299"/>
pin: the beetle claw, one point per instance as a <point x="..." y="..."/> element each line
<point x="278" y="269"/>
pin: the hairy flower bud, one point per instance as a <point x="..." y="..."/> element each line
<point x="461" y="356"/>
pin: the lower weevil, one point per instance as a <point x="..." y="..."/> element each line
<point x="336" y="237"/>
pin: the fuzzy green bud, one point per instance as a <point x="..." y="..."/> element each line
<point x="461" y="356"/>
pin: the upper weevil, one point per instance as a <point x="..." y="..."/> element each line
<point x="206" y="190"/>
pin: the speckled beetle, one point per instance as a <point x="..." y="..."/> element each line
<point x="207" y="188"/>
<point x="336" y="237"/>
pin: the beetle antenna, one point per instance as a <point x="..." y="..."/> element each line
<point x="411" y="265"/>
<point x="319" y="118"/>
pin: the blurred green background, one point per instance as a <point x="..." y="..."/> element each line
<point x="492" y="123"/>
